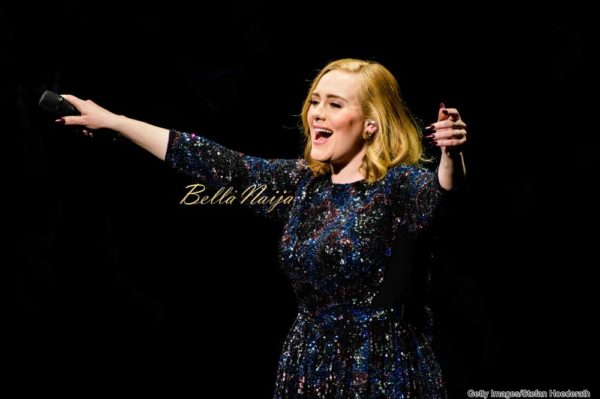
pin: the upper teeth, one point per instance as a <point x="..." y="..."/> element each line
<point x="321" y="130"/>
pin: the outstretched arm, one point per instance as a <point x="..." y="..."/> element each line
<point x="151" y="138"/>
<point x="273" y="180"/>
<point x="450" y="134"/>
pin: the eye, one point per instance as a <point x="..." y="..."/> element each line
<point x="336" y="105"/>
<point x="314" y="102"/>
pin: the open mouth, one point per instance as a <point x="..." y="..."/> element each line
<point x="321" y="135"/>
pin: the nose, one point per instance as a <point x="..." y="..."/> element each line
<point x="319" y="112"/>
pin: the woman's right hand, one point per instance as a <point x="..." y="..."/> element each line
<point x="92" y="115"/>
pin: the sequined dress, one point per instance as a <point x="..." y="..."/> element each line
<point x="335" y="249"/>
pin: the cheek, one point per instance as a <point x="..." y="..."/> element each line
<point x="347" y="125"/>
<point x="341" y="123"/>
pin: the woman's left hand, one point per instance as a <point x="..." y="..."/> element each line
<point x="449" y="132"/>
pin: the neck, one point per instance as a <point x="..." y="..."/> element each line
<point x="348" y="172"/>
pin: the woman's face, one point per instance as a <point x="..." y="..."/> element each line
<point x="336" y="119"/>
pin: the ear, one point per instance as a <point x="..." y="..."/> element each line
<point x="371" y="126"/>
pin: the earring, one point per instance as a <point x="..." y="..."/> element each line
<point x="366" y="135"/>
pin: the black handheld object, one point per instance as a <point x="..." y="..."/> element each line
<point x="59" y="107"/>
<point x="56" y="104"/>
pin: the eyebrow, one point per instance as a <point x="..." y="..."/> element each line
<point x="330" y="96"/>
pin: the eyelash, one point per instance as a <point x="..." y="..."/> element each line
<point x="335" y="105"/>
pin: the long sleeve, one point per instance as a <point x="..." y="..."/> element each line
<point x="218" y="167"/>
<point x="419" y="198"/>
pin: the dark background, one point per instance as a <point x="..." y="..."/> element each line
<point x="112" y="284"/>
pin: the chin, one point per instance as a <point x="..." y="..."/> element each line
<point x="319" y="156"/>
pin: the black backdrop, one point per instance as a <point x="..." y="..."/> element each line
<point x="116" y="285"/>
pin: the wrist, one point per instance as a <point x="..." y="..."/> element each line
<point x="447" y="159"/>
<point x="452" y="153"/>
<point x="453" y="161"/>
<point x="117" y="122"/>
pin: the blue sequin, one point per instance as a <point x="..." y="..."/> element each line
<point x="336" y="244"/>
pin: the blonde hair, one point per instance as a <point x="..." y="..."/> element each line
<point x="398" y="140"/>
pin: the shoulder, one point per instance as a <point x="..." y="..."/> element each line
<point x="301" y="163"/>
<point x="296" y="170"/>
<point x="295" y="167"/>
<point x="413" y="181"/>
<point x="410" y="176"/>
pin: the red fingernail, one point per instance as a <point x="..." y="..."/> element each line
<point x="442" y="105"/>
<point x="60" y="121"/>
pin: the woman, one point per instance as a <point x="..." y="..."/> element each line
<point x="358" y="192"/>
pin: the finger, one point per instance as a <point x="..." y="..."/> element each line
<point x="451" y="142"/>
<point x="77" y="102"/>
<point x="428" y="129"/>
<point x="451" y="113"/>
<point x="448" y="134"/>
<point x="460" y="134"/>
<point x="447" y="124"/>
<point x="72" y="120"/>
<point x="442" y="115"/>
